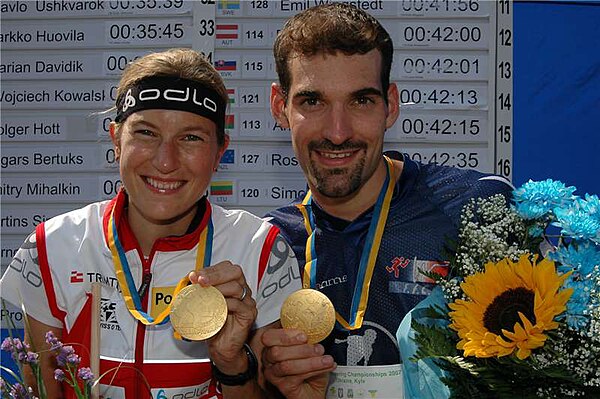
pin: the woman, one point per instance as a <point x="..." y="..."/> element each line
<point x="168" y="137"/>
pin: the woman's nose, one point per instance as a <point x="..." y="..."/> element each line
<point x="167" y="157"/>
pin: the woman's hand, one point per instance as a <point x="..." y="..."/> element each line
<point x="225" y="348"/>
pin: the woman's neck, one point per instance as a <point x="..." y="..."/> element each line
<point x="147" y="231"/>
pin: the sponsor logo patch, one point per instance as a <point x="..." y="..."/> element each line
<point x="108" y="315"/>
<point x="76" y="277"/>
<point x="161" y="299"/>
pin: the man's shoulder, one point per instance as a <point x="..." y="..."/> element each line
<point x="288" y="214"/>
<point x="289" y="220"/>
<point x="468" y="183"/>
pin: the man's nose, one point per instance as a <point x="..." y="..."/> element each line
<point x="339" y="129"/>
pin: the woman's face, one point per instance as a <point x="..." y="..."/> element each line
<point x="166" y="160"/>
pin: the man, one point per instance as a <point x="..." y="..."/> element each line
<point x="371" y="223"/>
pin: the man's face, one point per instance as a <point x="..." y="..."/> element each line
<point x="336" y="111"/>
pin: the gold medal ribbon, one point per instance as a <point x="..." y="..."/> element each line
<point x="123" y="272"/>
<point x="369" y="254"/>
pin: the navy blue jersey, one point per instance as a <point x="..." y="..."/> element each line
<point x="424" y="214"/>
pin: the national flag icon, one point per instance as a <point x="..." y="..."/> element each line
<point x="228" y="157"/>
<point x="227" y="31"/>
<point x="231" y="95"/>
<point x="229" y="121"/>
<point x="76" y="277"/>
<point x="228" y="5"/>
<point x="222" y="65"/>
<point x="223" y="187"/>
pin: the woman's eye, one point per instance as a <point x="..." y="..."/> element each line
<point x="144" y="132"/>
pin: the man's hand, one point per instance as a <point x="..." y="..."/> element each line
<point x="297" y="369"/>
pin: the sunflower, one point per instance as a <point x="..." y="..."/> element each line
<point x="509" y="307"/>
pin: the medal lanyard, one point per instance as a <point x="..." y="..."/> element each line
<point x="368" y="256"/>
<point x="123" y="272"/>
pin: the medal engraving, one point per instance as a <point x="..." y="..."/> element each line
<point x="310" y="311"/>
<point x="198" y="313"/>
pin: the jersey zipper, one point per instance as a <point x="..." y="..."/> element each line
<point x="141" y="327"/>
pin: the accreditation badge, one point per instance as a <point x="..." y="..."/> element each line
<point x="382" y="382"/>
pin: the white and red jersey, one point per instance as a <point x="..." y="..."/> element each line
<point x="53" y="271"/>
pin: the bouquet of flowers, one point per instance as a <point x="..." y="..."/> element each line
<point x="80" y="379"/>
<point x="522" y="299"/>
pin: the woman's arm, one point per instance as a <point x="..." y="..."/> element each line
<point x="35" y="336"/>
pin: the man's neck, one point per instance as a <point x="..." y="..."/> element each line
<point x="352" y="206"/>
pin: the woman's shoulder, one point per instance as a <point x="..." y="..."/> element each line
<point x="78" y="218"/>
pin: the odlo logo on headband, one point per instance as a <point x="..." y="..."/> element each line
<point x="169" y="95"/>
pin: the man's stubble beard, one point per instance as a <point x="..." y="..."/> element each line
<point x="338" y="182"/>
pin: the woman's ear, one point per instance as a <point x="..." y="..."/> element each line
<point x="115" y="137"/>
<point x="221" y="152"/>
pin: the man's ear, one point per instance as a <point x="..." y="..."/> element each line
<point x="393" y="106"/>
<point x="115" y="138"/>
<point x="278" y="103"/>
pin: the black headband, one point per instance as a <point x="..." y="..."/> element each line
<point x="169" y="92"/>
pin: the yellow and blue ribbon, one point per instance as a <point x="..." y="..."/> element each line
<point x="368" y="257"/>
<point x="126" y="282"/>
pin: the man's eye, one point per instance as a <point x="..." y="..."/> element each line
<point x="364" y="100"/>
<point x="193" y="137"/>
<point x="311" y="101"/>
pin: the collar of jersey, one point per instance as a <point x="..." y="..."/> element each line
<point x="166" y="244"/>
<point x="332" y="224"/>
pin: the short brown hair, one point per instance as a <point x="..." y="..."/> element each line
<point x="179" y="62"/>
<point x="330" y="28"/>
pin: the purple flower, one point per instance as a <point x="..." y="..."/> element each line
<point x="19" y="345"/>
<point x="32" y="358"/>
<point x="7" y="344"/>
<point x="19" y="350"/>
<point x="53" y="341"/>
<point x="73" y="359"/>
<point x="59" y="375"/>
<point x="85" y="373"/>
<point x="63" y="355"/>
<point x="18" y="391"/>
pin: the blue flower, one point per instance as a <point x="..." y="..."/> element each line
<point x="535" y="231"/>
<point x="591" y="205"/>
<point x="535" y="199"/>
<point x="576" y="222"/>
<point x="577" y="314"/>
<point x="581" y="259"/>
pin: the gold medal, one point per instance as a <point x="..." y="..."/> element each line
<point x="198" y="313"/>
<point x="309" y="311"/>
